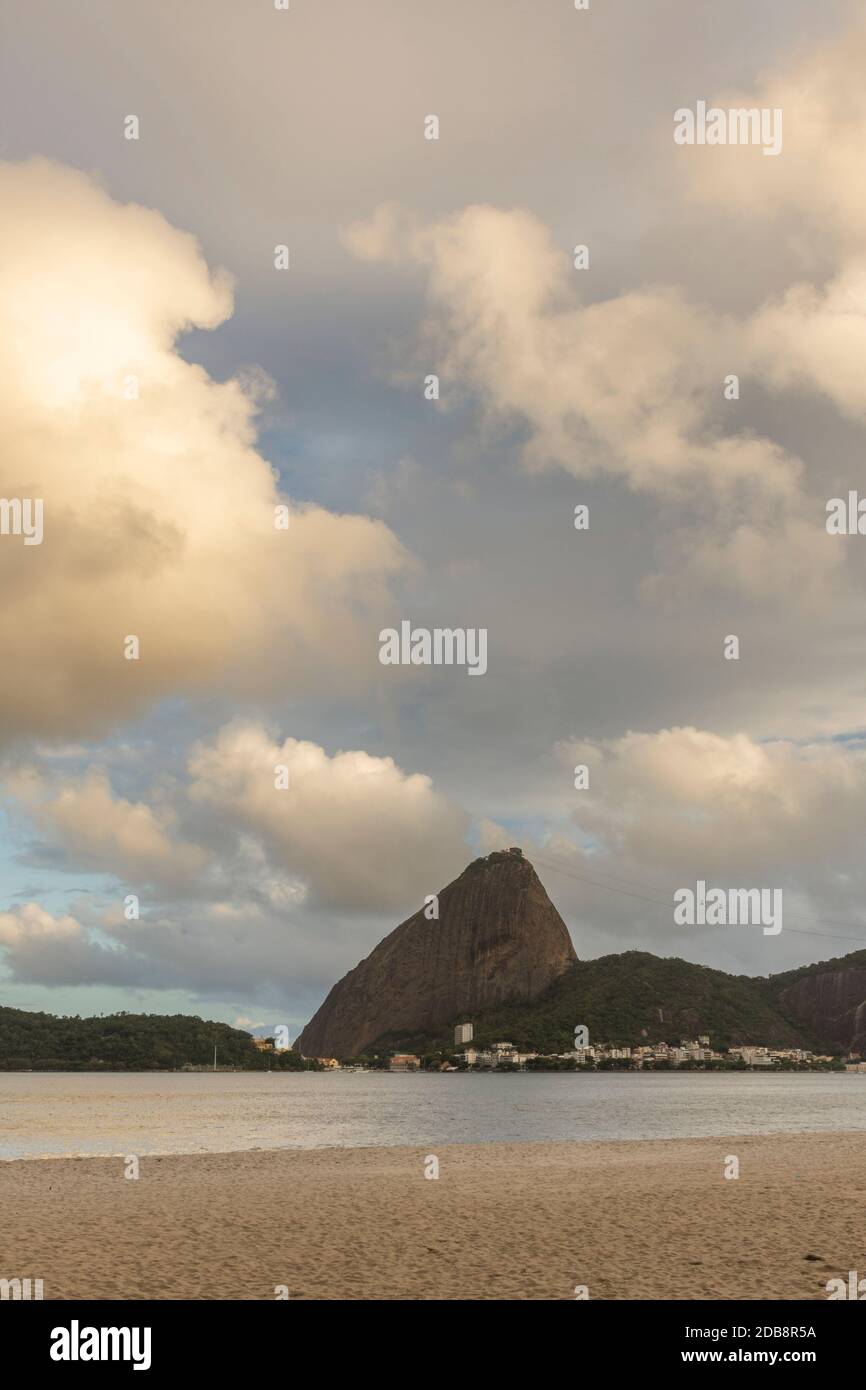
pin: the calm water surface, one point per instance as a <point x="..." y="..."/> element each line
<point x="45" y="1114"/>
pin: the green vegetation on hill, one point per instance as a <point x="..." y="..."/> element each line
<point x="127" y="1042"/>
<point x="629" y="999"/>
<point x="774" y="984"/>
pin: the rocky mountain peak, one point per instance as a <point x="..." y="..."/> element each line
<point x="497" y="938"/>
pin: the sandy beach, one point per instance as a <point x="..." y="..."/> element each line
<point x="641" y="1219"/>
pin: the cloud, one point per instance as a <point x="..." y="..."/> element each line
<point x="31" y="923"/>
<point x="812" y="191"/>
<point x="630" y="386"/>
<point x="53" y="950"/>
<point x="252" y="957"/>
<point x="812" y="203"/>
<point x="815" y="337"/>
<point x="362" y="833"/>
<point x="691" y="801"/>
<point x="98" y="830"/>
<point x="158" y="511"/>
<point x="349" y="831"/>
<point x="619" y="386"/>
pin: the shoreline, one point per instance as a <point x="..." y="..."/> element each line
<point x="631" y="1218"/>
<point x="730" y="1136"/>
<point x="804" y="1070"/>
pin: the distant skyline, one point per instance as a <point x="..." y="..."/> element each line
<point x="165" y="387"/>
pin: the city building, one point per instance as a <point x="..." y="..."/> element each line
<point x="404" y="1061"/>
<point x="462" y="1034"/>
<point x="752" y="1056"/>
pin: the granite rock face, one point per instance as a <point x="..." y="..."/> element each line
<point x="498" y="939"/>
<point x="831" y="1006"/>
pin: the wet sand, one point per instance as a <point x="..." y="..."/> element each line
<point x="643" y="1219"/>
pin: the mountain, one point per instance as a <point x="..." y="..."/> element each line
<point x="629" y="999"/>
<point x="827" y="999"/>
<point x="501" y="956"/>
<point x="498" y="938"/>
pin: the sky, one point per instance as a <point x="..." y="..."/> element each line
<point x="169" y="386"/>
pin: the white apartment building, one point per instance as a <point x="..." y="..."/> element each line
<point x="752" y="1056"/>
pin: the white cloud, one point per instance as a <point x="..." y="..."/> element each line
<point x="812" y="191"/>
<point x="159" y="512"/>
<point x="31" y="923"/>
<point x="816" y="338"/>
<point x="360" y="831"/>
<point x="685" y="799"/>
<point x="630" y="386"/>
<point x="98" y="830"/>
